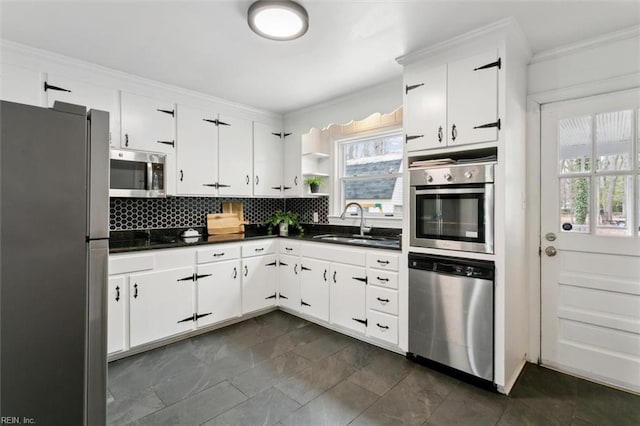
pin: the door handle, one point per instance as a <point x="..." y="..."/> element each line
<point x="246" y="270"/>
<point x="235" y="273"/>
<point x="550" y="251"/>
<point x="440" y="134"/>
<point x="117" y="293"/>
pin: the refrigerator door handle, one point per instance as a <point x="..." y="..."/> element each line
<point x="98" y="161"/>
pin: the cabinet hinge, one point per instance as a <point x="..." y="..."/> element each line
<point x="281" y="135"/>
<point x="172" y="143"/>
<point x="171" y="112"/>
<point x="497" y="63"/>
<point x="304" y="268"/>
<point x="189" y="278"/>
<point x="48" y="86"/>
<point x="539" y="251"/>
<point x="408" y="88"/>
<point x="303" y="303"/>
<point x="281" y="263"/>
<point x="282" y="296"/>
<point x="364" y="280"/>
<point x="273" y="296"/>
<point x="489" y="125"/>
<point x="202" y="276"/>
<point x="271" y="264"/>
<point x="216" y="122"/>
<point x="408" y="138"/>
<point x="361" y="321"/>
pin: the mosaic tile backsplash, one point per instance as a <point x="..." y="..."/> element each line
<point x="182" y="212"/>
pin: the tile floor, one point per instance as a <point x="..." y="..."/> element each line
<point x="280" y="369"/>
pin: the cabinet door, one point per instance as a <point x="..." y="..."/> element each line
<point x="115" y="314"/>
<point x="267" y="160"/>
<point x="314" y="288"/>
<point x="218" y="292"/>
<point x="20" y="85"/>
<point x="292" y="180"/>
<point x="60" y="88"/>
<point x="147" y="123"/>
<point x="160" y="304"/>
<point x="289" y="282"/>
<point x="473" y="99"/>
<point x="425" y="99"/>
<point x="348" y="297"/>
<point x="259" y="275"/>
<point x="197" y="152"/>
<point x="235" y="171"/>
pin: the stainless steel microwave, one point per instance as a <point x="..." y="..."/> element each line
<point x="452" y="207"/>
<point x="137" y="174"/>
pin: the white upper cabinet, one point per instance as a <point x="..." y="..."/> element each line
<point x="425" y="94"/>
<point x="147" y="124"/>
<point x="60" y="88"/>
<point x="197" y="152"/>
<point x="20" y="85"/>
<point x="292" y="182"/>
<point x="267" y="160"/>
<point x="472" y="108"/>
<point x="235" y="171"/>
<point x="452" y="104"/>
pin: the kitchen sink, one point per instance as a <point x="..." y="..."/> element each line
<point x="361" y="240"/>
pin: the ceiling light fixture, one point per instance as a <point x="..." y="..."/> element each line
<point x="278" y="20"/>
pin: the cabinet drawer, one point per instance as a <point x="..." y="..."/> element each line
<point x="289" y="247"/>
<point x="259" y="248"/>
<point x="217" y="253"/>
<point x="334" y="253"/>
<point x="383" y="327"/>
<point x="382" y="299"/>
<point x="382" y="261"/>
<point x="127" y="263"/>
<point x="383" y="278"/>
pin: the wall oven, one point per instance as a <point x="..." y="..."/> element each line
<point x="137" y="174"/>
<point x="452" y="207"/>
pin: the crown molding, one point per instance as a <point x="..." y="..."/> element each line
<point x="569" y="49"/>
<point x="48" y="56"/>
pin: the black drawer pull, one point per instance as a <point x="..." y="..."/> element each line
<point x="259" y="249"/>
<point x="218" y="254"/>
<point x="384" y="327"/>
<point x="382" y="262"/>
<point x="383" y="300"/>
<point x="288" y="248"/>
<point x="383" y="279"/>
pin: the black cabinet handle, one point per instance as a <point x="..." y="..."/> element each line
<point x="257" y="179"/>
<point x="383" y="279"/>
<point x="235" y="273"/>
<point x="295" y="180"/>
<point x="117" y="293"/>
<point x="361" y="321"/>
<point x="171" y="112"/>
<point x="303" y="303"/>
<point x="334" y="277"/>
<point x="47" y="86"/>
<point x="218" y="254"/>
<point x="384" y="327"/>
<point x="259" y="249"/>
<point x="181" y="175"/>
<point x="288" y="248"/>
<point x="454" y="132"/>
<point x="408" y="88"/>
<point x="440" y="134"/>
<point x="382" y="300"/>
<point x="295" y="269"/>
<point x="246" y="270"/>
<point x="248" y="180"/>
<point x="172" y="143"/>
<point x="135" y="291"/>
<point x="126" y="139"/>
<point x="325" y="275"/>
<point x="382" y="262"/>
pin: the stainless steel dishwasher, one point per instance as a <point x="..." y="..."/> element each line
<point x="451" y="313"/>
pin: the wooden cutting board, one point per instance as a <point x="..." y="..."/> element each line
<point x="231" y="221"/>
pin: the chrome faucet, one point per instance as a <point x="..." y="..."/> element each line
<point x="363" y="228"/>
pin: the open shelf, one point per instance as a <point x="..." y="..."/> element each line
<point x="315" y="155"/>
<point x="319" y="174"/>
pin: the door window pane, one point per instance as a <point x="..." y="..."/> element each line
<point x="574" y="144"/>
<point x="574" y="205"/>
<point x="615" y="202"/>
<point x="614" y="140"/>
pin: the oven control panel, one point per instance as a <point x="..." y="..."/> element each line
<point x="452" y="175"/>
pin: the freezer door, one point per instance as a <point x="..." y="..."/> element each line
<point x="98" y="161"/>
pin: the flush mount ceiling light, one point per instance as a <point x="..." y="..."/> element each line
<point x="278" y="20"/>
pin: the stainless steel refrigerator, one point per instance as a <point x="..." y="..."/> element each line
<point x="54" y="193"/>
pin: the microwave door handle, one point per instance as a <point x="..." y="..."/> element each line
<point x="149" y="175"/>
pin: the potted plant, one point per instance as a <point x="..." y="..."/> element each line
<point x="314" y="183"/>
<point x="283" y="221"/>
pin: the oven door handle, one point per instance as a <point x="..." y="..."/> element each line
<point x="450" y="191"/>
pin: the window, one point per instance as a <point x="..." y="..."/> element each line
<point x="370" y="173"/>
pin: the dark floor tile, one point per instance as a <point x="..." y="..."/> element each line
<point x="411" y="402"/>
<point x="265" y="408"/>
<point x="322" y="375"/>
<point x="518" y="413"/>
<point x="269" y="373"/>
<point x="187" y="383"/>
<point x="281" y="320"/>
<point x="286" y="342"/>
<point x="602" y="405"/>
<point x="198" y="408"/>
<point x="125" y="411"/>
<point x="382" y="373"/>
<point x="324" y="346"/>
<point x="359" y="353"/>
<point x="338" y="406"/>
<point x="467" y="404"/>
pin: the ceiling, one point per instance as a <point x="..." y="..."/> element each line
<point x="207" y="46"/>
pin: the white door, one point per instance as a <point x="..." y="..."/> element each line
<point x="115" y="315"/>
<point x="160" y="304"/>
<point x="267" y="160"/>
<point x="259" y="275"/>
<point x="348" y="297"/>
<point x="147" y="123"/>
<point x="20" y="85"/>
<point x="197" y="152"/>
<point x="314" y="288"/>
<point x="289" y="282"/>
<point x="219" y="292"/>
<point x="235" y="154"/>
<point x="425" y="122"/>
<point x="590" y="238"/>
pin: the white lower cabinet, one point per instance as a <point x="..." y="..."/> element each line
<point x="219" y="293"/>
<point x="160" y="304"/>
<point x="314" y="288"/>
<point x="259" y="275"/>
<point x="289" y="282"/>
<point x="348" y="297"/>
<point x="115" y="314"/>
<point x="383" y="327"/>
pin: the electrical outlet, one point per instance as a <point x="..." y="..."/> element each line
<point x="315" y="217"/>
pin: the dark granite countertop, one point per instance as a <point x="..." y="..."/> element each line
<point x="153" y="239"/>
